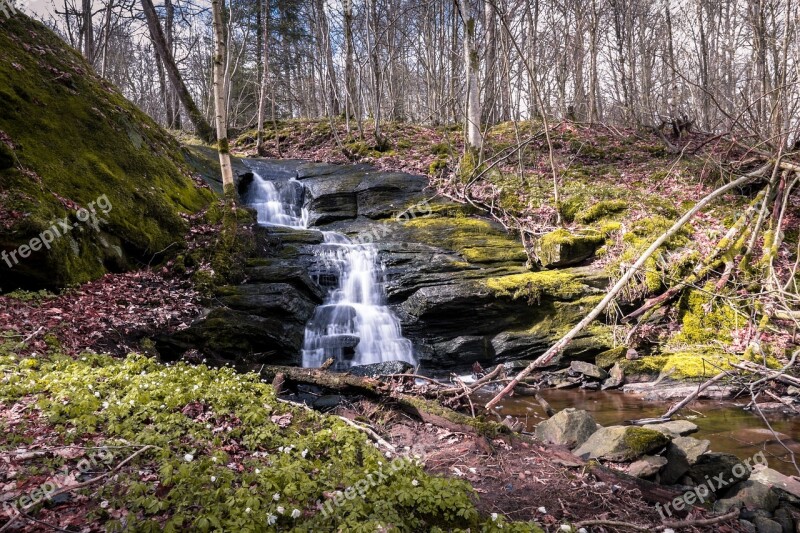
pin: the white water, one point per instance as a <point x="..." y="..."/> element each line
<point x="353" y="325"/>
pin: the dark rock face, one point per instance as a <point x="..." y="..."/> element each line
<point x="385" y="368"/>
<point x="449" y="276"/>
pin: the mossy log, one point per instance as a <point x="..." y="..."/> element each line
<point x="422" y="408"/>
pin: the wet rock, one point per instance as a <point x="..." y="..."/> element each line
<point x="749" y="493"/>
<point x="647" y="466"/>
<point x="376" y="369"/>
<point x="766" y="525"/>
<point x="327" y="402"/>
<point x="711" y="465"/>
<point x="681" y="454"/>
<point x="677" y="391"/>
<point x="616" y="377"/>
<point x="588" y="370"/>
<point x="675" y="428"/>
<point x="569" y="427"/>
<point x="621" y="443"/>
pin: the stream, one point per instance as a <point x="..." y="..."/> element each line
<point x="730" y="428"/>
<point x="354" y="326"/>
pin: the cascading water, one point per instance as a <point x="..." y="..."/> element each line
<point x="353" y="325"/>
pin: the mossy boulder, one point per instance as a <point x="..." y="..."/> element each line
<point x="562" y="248"/>
<point x="621" y="443"/>
<point x="69" y="138"/>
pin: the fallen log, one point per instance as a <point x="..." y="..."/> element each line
<point x="426" y="410"/>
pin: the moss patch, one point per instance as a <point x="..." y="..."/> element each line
<point x="74" y="138"/>
<point x="681" y="365"/>
<point x="535" y="285"/>
<point x="477" y="240"/>
<point x="227" y="455"/>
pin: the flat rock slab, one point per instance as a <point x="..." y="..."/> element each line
<point x="588" y="370"/>
<point x="674" y="428"/>
<point x="776" y="481"/>
<point x="621" y="443"/>
<point x="647" y="466"/>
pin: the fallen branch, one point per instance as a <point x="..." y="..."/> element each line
<point x="559" y="346"/>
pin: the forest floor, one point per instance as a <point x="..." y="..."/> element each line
<point x="58" y="399"/>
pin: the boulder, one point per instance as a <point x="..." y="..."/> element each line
<point x="621" y="443"/>
<point x="784" y="517"/>
<point x="561" y="248"/>
<point x="647" y="466"/>
<point x="681" y="454"/>
<point x="588" y="370"/>
<point x="749" y="493"/>
<point x="711" y="464"/>
<point x="767" y="525"/>
<point x="616" y="377"/>
<point x="376" y="369"/>
<point x="569" y="427"/>
<point x="674" y="428"/>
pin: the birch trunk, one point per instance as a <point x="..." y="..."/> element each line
<point x="220" y="103"/>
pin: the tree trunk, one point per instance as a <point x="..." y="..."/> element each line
<point x="201" y="125"/>
<point x="473" y="119"/>
<point x="88" y="31"/>
<point x="262" y="98"/>
<point x="220" y="101"/>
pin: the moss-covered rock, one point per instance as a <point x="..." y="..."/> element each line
<point x="621" y="443"/>
<point x="562" y="248"/>
<point x="609" y="358"/>
<point x="534" y="285"/>
<point x="476" y="240"/>
<point x="74" y="138"/>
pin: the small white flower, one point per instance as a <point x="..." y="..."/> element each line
<point x="276" y="496"/>
<point x="188" y="457"/>
<point x="214" y="459"/>
<point x="281" y="509"/>
<point x="542" y="510"/>
<point x="271" y="519"/>
<point x="208" y="426"/>
<point x="415" y="482"/>
<point x="247" y="510"/>
<point x="131" y="402"/>
<point x="213" y="479"/>
<point x="96" y="394"/>
<point x="90" y="386"/>
<point x="565" y="527"/>
<point x="163" y="406"/>
<point x="105" y="405"/>
<point x="494" y="517"/>
<point x="388" y="455"/>
<point x="280" y="449"/>
<point x="305" y="452"/>
<point x="296" y="513"/>
<point x="104" y="504"/>
<point x="258" y="470"/>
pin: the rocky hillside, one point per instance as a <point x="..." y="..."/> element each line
<point x="88" y="183"/>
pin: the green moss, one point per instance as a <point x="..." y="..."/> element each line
<point x="477" y="240"/>
<point x="200" y="421"/>
<point x="681" y="365"/>
<point x="600" y="210"/>
<point x="609" y="358"/>
<point x="705" y="319"/>
<point x="644" y="440"/>
<point x="77" y="138"/>
<point x="535" y="285"/>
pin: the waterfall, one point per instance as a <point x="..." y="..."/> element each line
<point x="353" y="325"/>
